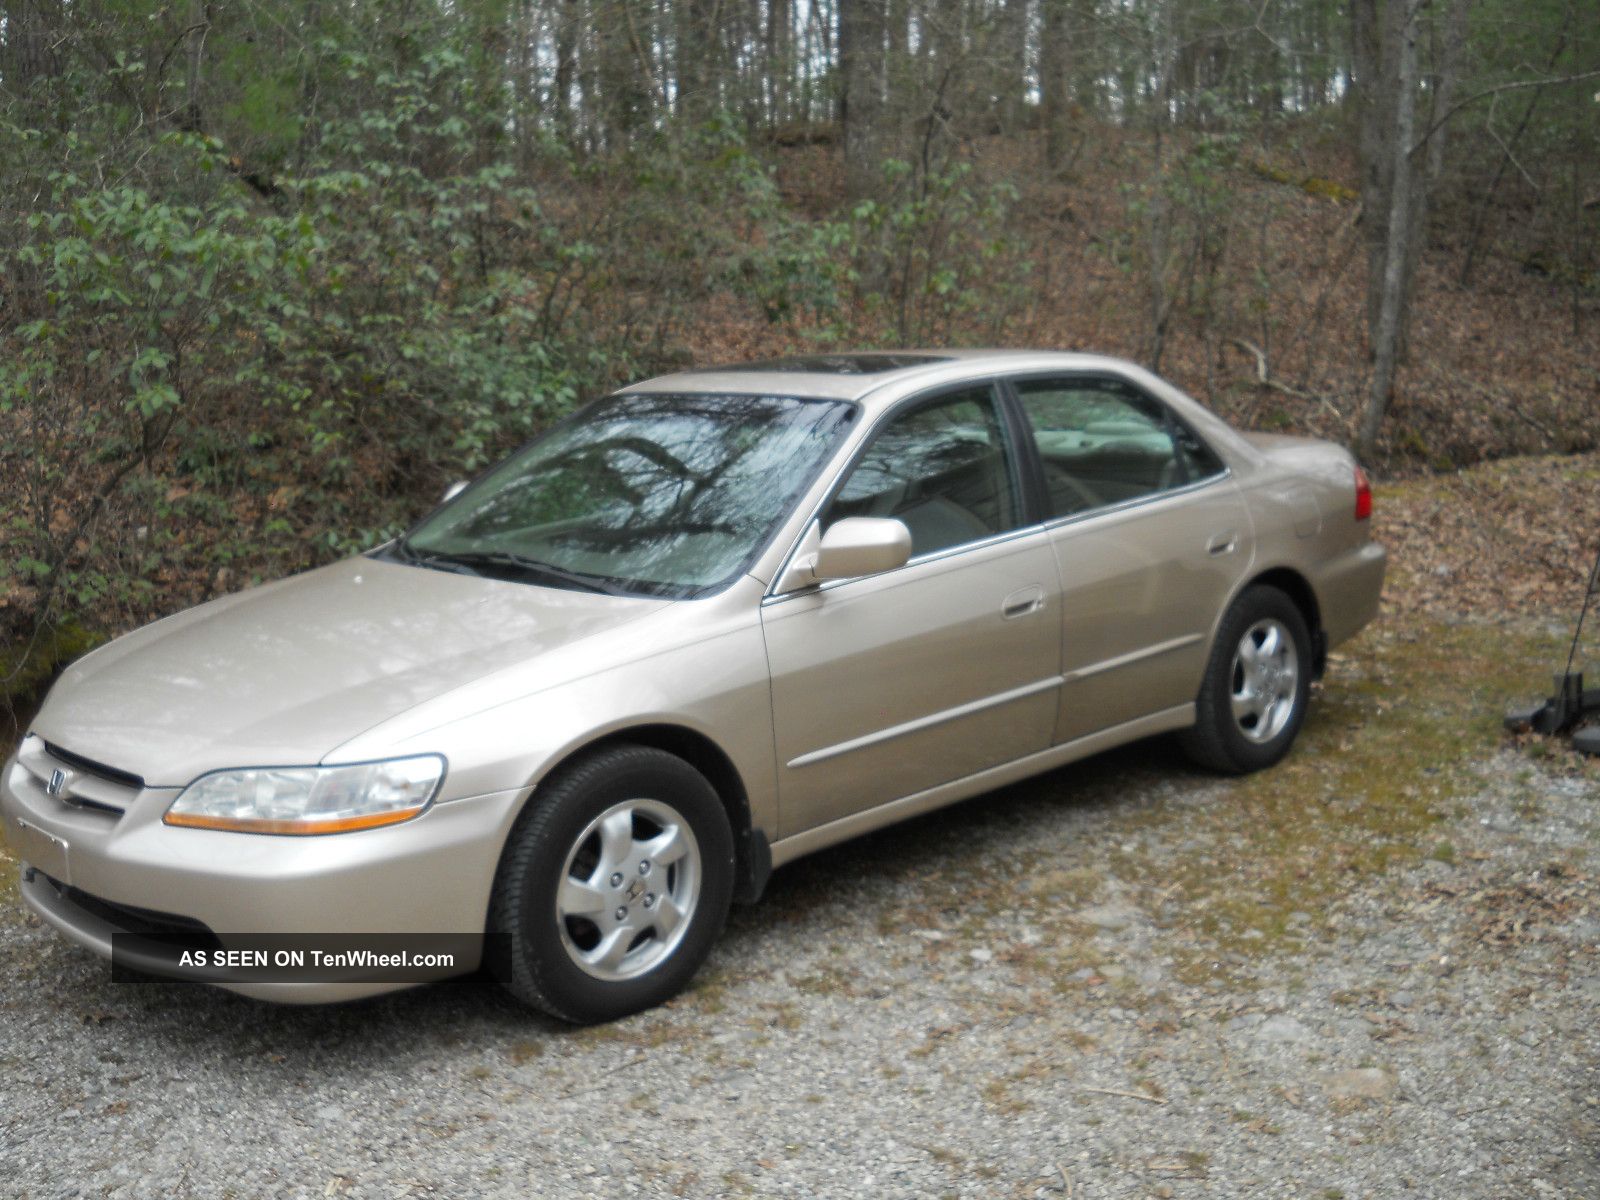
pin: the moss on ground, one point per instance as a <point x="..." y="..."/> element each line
<point x="1391" y="750"/>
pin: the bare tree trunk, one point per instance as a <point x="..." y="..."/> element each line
<point x="1486" y="201"/>
<point x="1576" y="160"/>
<point x="899" y="33"/>
<point x="780" y="60"/>
<point x="1508" y="148"/>
<point x="1158" y="228"/>
<point x="693" y="60"/>
<point x="566" y="65"/>
<point x="1082" y="33"/>
<point x="1372" y="87"/>
<point x="1055" y="65"/>
<point x="524" y="74"/>
<point x="862" y="29"/>
<point x="1441" y="93"/>
<point x="194" y="57"/>
<point x="625" y="82"/>
<point x="1010" y="68"/>
<point x="25" y="58"/>
<point x="1158" y="216"/>
<point x="1397" y="216"/>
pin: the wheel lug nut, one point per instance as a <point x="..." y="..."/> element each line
<point x="616" y="880"/>
<point x="650" y="900"/>
<point x="622" y="913"/>
<point x="644" y="867"/>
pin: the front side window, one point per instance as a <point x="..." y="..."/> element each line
<point x="943" y="468"/>
<point x="643" y="494"/>
<point x="1102" y="442"/>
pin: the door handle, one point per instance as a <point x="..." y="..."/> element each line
<point x="1223" y="543"/>
<point x="1022" y="602"/>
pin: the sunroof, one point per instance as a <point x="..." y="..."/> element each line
<point x="840" y="364"/>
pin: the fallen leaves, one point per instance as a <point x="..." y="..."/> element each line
<point x="1513" y="538"/>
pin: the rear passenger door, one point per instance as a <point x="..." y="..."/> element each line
<point x="1151" y="538"/>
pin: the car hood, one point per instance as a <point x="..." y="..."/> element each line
<point x="285" y="673"/>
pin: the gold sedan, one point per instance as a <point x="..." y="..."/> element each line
<point x="700" y="628"/>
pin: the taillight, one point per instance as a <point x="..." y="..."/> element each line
<point x="1363" y="495"/>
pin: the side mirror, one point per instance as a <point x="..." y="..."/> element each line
<point x="853" y="547"/>
<point x="859" y="546"/>
<point x="454" y="490"/>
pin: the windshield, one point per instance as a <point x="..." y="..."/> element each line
<point x="655" y="494"/>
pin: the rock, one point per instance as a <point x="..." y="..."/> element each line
<point x="1148" y="973"/>
<point x="1282" y="1029"/>
<point x="1360" y="1083"/>
<point x="1107" y="916"/>
<point x="1401" y="999"/>
<point x="981" y="955"/>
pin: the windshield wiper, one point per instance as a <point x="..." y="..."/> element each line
<point x="535" y="567"/>
<point x="406" y="552"/>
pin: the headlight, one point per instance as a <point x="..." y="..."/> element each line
<point x="309" y="799"/>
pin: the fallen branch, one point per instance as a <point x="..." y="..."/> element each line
<point x="1539" y="425"/>
<point x="1148" y="1099"/>
<point x="1264" y="379"/>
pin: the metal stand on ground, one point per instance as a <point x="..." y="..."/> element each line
<point x="1571" y="703"/>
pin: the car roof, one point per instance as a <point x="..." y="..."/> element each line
<point x="857" y="375"/>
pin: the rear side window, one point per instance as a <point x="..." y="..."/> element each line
<point x="1103" y="442"/>
<point x="942" y="468"/>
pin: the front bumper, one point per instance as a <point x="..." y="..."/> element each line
<point x="432" y="874"/>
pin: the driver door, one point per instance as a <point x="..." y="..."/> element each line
<point x="891" y="684"/>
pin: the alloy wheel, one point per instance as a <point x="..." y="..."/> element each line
<point x="628" y="890"/>
<point x="1265" y="680"/>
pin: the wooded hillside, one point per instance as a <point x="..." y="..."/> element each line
<point x="273" y="273"/>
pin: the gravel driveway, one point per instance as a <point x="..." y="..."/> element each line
<point x="1049" y="991"/>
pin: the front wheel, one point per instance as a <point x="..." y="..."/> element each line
<point x="613" y="886"/>
<point x="1253" y="696"/>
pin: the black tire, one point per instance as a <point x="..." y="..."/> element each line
<point x="1237" y="745"/>
<point x="534" y="947"/>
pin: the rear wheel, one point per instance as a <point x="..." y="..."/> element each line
<point x="1253" y="697"/>
<point x="613" y="886"/>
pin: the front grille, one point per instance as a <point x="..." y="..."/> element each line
<point x="170" y="928"/>
<point x="88" y="784"/>
<point x="88" y="766"/>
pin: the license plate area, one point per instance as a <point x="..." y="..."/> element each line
<point x="43" y="850"/>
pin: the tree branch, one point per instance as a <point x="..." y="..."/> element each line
<point x="1495" y="91"/>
